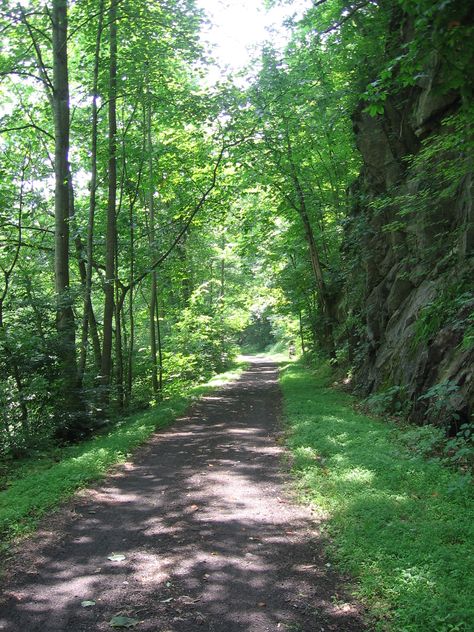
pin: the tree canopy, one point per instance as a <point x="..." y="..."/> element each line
<point x="150" y="225"/>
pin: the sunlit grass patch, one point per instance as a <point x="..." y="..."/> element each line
<point x="402" y="525"/>
<point x="42" y="483"/>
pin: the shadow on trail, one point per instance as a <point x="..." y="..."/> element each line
<point x="210" y="539"/>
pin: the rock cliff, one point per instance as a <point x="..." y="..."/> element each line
<point x="409" y="253"/>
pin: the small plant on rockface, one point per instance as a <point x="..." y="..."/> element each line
<point x="460" y="449"/>
<point x="468" y="339"/>
<point x="391" y="400"/>
<point x="444" y="309"/>
<point x="441" y="401"/>
<point x="341" y="355"/>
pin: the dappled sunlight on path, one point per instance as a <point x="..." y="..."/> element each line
<point x="210" y="537"/>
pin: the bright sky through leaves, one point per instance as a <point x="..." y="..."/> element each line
<point x="239" y="27"/>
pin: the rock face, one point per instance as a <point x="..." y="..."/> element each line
<point x="409" y="247"/>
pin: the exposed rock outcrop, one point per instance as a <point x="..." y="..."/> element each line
<point x="413" y="235"/>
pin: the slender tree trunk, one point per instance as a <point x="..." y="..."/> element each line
<point x="131" y="316"/>
<point x="327" y="337"/>
<point x="131" y="287"/>
<point x="211" y="284"/>
<point x="88" y="320"/>
<point x="119" y="350"/>
<point x="303" y="348"/>
<point x="125" y="356"/>
<point x="222" y="270"/>
<point x="152" y="328"/>
<point x="160" y="346"/>
<point x="155" y="382"/>
<point x="317" y="271"/>
<point x="118" y="313"/>
<point x="111" y="230"/>
<point x="65" y="323"/>
<point x="300" y="313"/>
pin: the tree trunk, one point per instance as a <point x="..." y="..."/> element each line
<point x="222" y="270"/>
<point x="303" y="347"/>
<point x="317" y="270"/>
<point x="131" y="287"/>
<point x="131" y="316"/>
<point x="89" y="322"/>
<point x="64" y="311"/>
<point x="111" y="230"/>
<point x="160" y="346"/>
<point x="155" y="382"/>
<point x="119" y="350"/>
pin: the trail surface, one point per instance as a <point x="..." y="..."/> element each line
<point x="211" y="537"/>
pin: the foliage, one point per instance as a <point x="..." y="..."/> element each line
<point x="236" y="214"/>
<point x="390" y="400"/>
<point x="434" y="175"/>
<point x="258" y="335"/>
<point x="460" y="449"/>
<point x="425" y="441"/>
<point x="227" y="215"/>
<point x="468" y="339"/>
<point x="226" y="198"/>
<point x="403" y="526"/>
<point x="171" y="150"/>
<point x="206" y="342"/>
<point x="441" y="398"/>
<point x="429" y="32"/>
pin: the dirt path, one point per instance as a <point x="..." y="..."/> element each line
<point x="211" y="539"/>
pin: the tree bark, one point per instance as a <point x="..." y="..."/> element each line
<point x="131" y="316"/>
<point x="152" y="244"/>
<point x="323" y="300"/>
<point x="318" y="275"/>
<point x="111" y="230"/>
<point x="300" y="317"/>
<point x="89" y="322"/>
<point x="160" y="346"/>
<point x="65" y="322"/>
<point x="118" y="347"/>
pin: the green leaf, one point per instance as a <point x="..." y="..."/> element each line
<point x="123" y="622"/>
<point x="87" y="603"/>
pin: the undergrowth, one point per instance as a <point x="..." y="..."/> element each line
<point x="401" y="524"/>
<point x="35" y="486"/>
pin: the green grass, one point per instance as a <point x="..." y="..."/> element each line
<point x="40" y="484"/>
<point x="403" y="526"/>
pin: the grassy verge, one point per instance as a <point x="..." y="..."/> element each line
<point x="41" y="484"/>
<point x="402" y="525"/>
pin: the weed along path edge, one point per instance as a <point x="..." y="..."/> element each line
<point x="198" y="532"/>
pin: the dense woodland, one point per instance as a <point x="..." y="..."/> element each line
<point x="151" y="225"/>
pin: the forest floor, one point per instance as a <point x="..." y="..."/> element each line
<point x="203" y="531"/>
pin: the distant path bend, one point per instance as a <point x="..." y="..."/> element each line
<point x="212" y="540"/>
